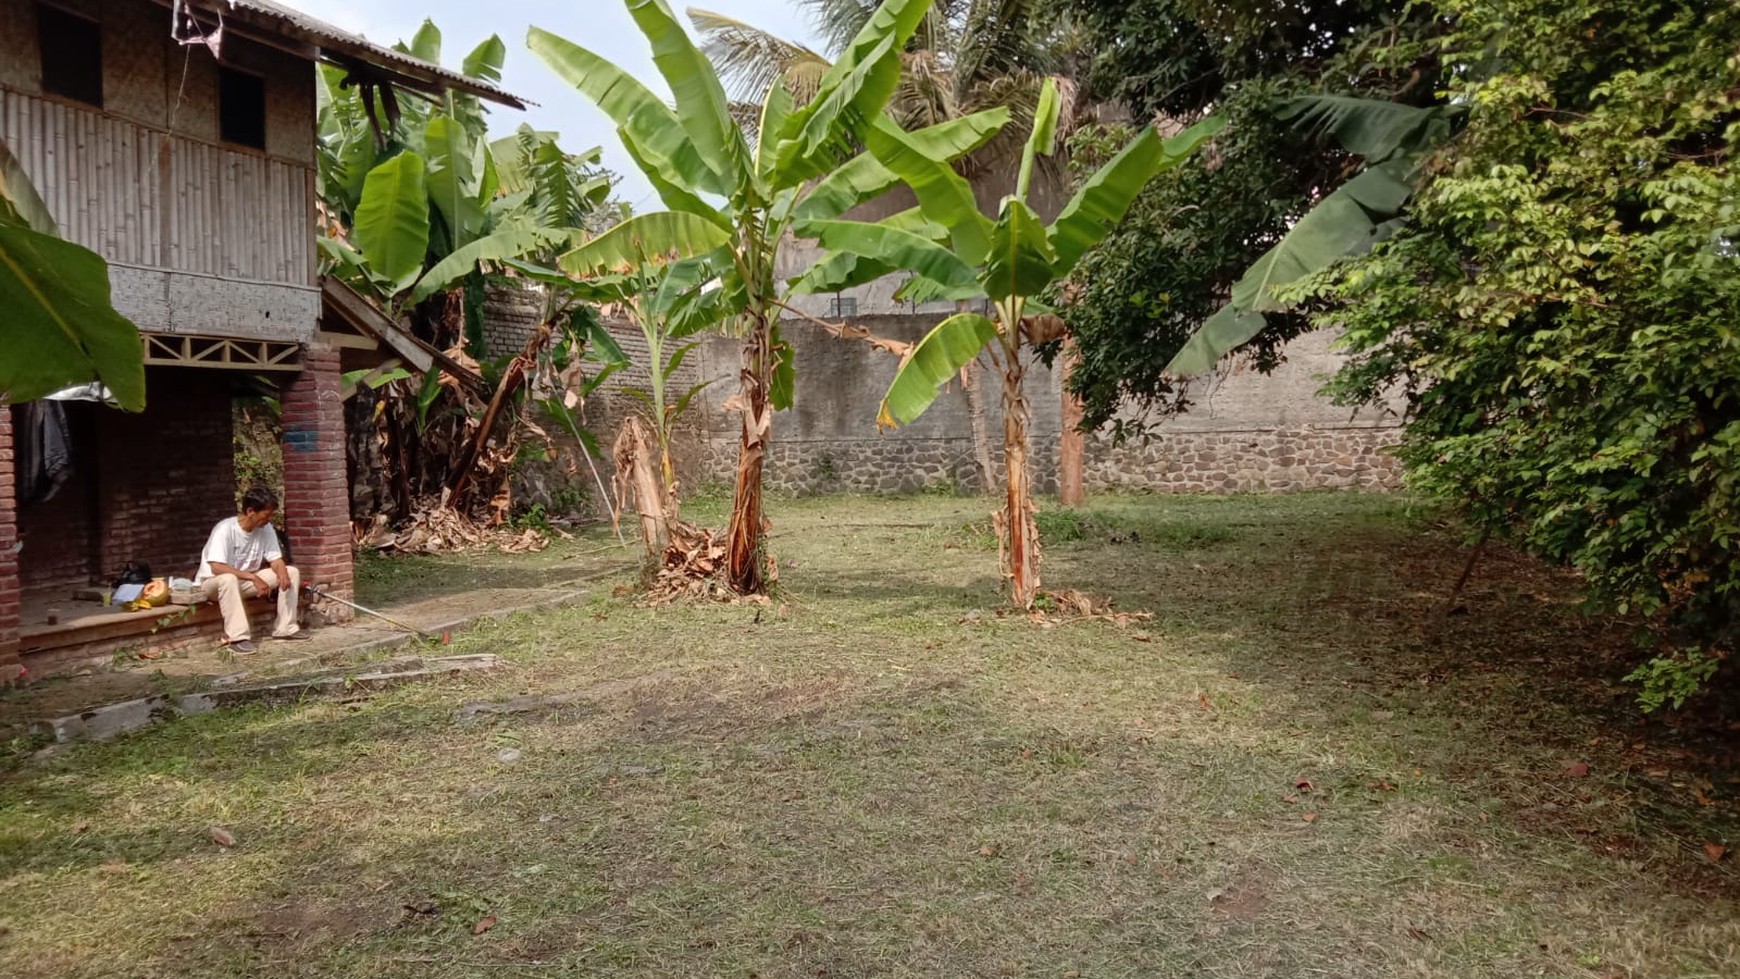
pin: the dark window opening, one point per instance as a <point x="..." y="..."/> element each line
<point x="72" y="55"/>
<point x="242" y="108"/>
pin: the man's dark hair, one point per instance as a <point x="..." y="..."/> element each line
<point x="259" y="498"/>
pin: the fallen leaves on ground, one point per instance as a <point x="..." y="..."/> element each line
<point x="437" y="528"/>
<point x="1057" y="606"/>
<point x="1577" y="770"/>
<point x="1715" y="851"/>
<point x="223" y="837"/>
<point x="486" y="924"/>
<point x="1309" y="817"/>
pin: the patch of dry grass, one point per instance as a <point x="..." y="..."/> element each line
<point x="1283" y="774"/>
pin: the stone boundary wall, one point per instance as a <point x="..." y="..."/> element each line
<point x="1246" y="432"/>
<point x="1274" y="461"/>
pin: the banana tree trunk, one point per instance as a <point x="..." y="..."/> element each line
<point x="1017" y="531"/>
<point x="744" y="569"/>
<point x="637" y="480"/>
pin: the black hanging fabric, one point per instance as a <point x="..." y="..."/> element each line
<point x="44" y="451"/>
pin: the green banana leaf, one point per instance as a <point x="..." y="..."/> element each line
<point x="623" y="99"/>
<point x="451" y="181"/>
<point x="944" y="194"/>
<point x="61" y="328"/>
<point x="1347" y="222"/>
<point x="508" y="243"/>
<point x="392" y="222"/>
<point x="934" y="362"/>
<point x="1102" y="200"/>
<point x="485" y="61"/>
<point x="776" y="108"/>
<point x="702" y="108"/>
<point x="1043" y="139"/>
<point x="865" y="178"/>
<point x="662" y="235"/>
<point x="1021" y="262"/>
<point x="18" y="197"/>
<point x="426" y="43"/>
<point x="854" y="88"/>
<point x="1372" y="128"/>
<point x="896" y="248"/>
<point x="665" y="175"/>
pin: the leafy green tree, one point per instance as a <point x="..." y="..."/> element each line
<point x="1171" y="264"/>
<point x="1007" y="263"/>
<point x="733" y="200"/>
<point x="1563" y="307"/>
<point x="61" y="326"/>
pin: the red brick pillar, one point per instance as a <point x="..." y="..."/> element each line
<point x="10" y="584"/>
<point x="316" y="497"/>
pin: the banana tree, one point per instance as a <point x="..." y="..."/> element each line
<point x="61" y="327"/>
<point x="420" y="200"/>
<point x="1395" y="141"/>
<point x="734" y="202"/>
<point x="959" y="253"/>
<point x="668" y="303"/>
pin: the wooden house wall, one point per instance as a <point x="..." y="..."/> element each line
<point x="201" y="236"/>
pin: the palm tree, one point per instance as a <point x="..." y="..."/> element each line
<point x="966" y="56"/>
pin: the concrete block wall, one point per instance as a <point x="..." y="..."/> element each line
<point x="316" y="496"/>
<point x="1245" y="432"/>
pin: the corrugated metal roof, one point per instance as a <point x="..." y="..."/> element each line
<point x="334" y="42"/>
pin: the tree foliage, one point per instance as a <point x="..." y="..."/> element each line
<point x="957" y="252"/>
<point x="61" y="326"/>
<point x="1172" y="263"/>
<point x="1563" y="310"/>
<point x="733" y="193"/>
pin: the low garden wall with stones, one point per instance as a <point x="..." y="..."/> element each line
<point x="1246" y="432"/>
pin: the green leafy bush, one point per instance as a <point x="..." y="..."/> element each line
<point x="1564" y="310"/>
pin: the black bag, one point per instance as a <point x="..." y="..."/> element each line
<point x="135" y="573"/>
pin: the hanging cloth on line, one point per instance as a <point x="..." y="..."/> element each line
<point x="45" y="451"/>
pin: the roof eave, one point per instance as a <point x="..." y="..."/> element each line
<point x="351" y="51"/>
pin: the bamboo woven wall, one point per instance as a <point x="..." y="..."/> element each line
<point x="221" y="212"/>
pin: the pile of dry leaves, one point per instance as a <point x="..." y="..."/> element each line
<point x="692" y="568"/>
<point x="431" y="530"/>
<point x="1053" y="607"/>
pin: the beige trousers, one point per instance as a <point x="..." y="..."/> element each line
<point x="230" y="591"/>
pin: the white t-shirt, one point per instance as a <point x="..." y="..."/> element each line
<point x="230" y="544"/>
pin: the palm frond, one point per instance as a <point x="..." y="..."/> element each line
<point x="750" y="60"/>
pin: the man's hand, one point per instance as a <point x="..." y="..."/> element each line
<point x="260" y="584"/>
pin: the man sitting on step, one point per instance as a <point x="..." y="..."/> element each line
<point x="242" y="559"/>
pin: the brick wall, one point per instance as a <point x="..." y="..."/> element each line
<point x="9" y="591"/>
<point x="166" y="475"/>
<point x="144" y="487"/>
<point x="59" y="536"/>
<point x="316" y="497"/>
<point x="511" y="314"/>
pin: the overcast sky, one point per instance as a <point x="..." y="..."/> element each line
<point x="602" y="26"/>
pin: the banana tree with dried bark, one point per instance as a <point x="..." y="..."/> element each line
<point x="956" y="252"/>
<point x="733" y="199"/>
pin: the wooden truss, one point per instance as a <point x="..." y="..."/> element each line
<point x="229" y="353"/>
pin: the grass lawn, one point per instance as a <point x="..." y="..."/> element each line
<point x="1298" y="767"/>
